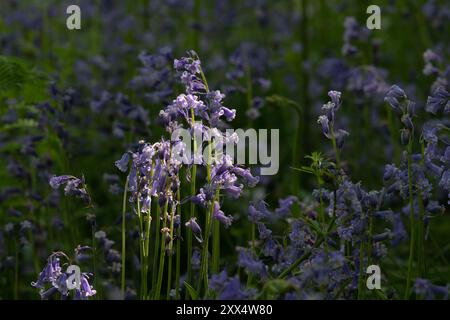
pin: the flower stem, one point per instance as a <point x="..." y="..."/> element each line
<point x="94" y="258"/>
<point x="412" y="223"/>
<point x="335" y="148"/>
<point x="170" y="257"/>
<point x="178" y="249"/>
<point x="141" y="249"/>
<point x="361" y="272"/>
<point x="162" y="254"/>
<point x="249" y="278"/>
<point x="147" y="249"/>
<point x="155" y="251"/>
<point x="124" y="208"/>
<point x="204" y="262"/>
<point x="16" y="274"/>
<point x="420" y="225"/>
<point x="216" y="247"/>
<point x="192" y="208"/>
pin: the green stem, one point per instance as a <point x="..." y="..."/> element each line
<point x="216" y="247"/>
<point x="249" y="278"/>
<point x="157" y="239"/>
<point x="192" y="207"/>
<point x="141" y="249"/>
<point x="361" y="271"/>
<point x="16" y="274"/>
<point x="204" y="262"/>
<point x="124" y="208"/>
<point x="147" y="249"/>
<point x="307" y="254"/>
<point x="420" y="225"/>
<point x="162" y="254"/>
<point x="170" y="257"/>
<point x="393" y="130"/>
<point x="335" y="148"/>
<point x="412" y="223"/>
<point x="94" y="258"/>
<point x="178" y="257"/>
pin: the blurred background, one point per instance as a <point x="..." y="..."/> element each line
<point x="73" y="101"/>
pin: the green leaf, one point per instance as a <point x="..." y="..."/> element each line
<point x="16" y="76"/>
<point x="283" y="101"/>
<point x="192" y="292"/>
<point x="13" y="73"/>
<point x="19" y="124"/>
<point x="275" y="288"/>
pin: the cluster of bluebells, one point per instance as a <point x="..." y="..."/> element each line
<point x="331" y="267"/>
<point x="438" y="101"/>
<point x="404" y="108"/>
<point x="73" y="186"/>
<point x="112" y="257"/>
<point x="53" y="280"/>
<point x="425" y="289"/>
<point x="353" y="33"/>
<point x="432" y="163"/>
<point x="327" y="121"/>
<point x="155" y="77"/>
<point x="248" y="64"/>
<point x="154" y="172"/>
<point x="104" y="103"/>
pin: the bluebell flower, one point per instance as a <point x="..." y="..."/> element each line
<point x="394" y="97"/>
<point x="257" y="211"/>
<point x="217" y="281"/>
<point x="57" y="181"/>
<point x="220" y="216"/>
<point x="86" y="289"/>
<point x="264" y="232"/>
<point x="196" y="259"/>
<point x="430" y="58"/>
<point x="197" y="231"/>
<point x="251" y="264"/>
<point x="285" y="205"/>
<point x="438" y="101"/>
<point x="54" y="276"/>
<point x="122" y="164"/>
<point x="74" y="186"/>
<point x="233" y="290"/>
<point x="429" y="291"/>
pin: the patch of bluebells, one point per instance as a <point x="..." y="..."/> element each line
<point x="73" y="186"/>
<point x="327" y="121"/>
<point x="52" y="281"/>
<point x="154" y="169"/>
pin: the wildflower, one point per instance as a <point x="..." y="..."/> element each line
<point x="74" y="186"/>
<point x="193" y="225"/>
<point x="430" y="58"/>
<point x="429" y="291"/>
<point x="57" y="181"/>
<point x="324" y="122"/>
<point x="196" y="259"/>
<point x="220" y="216"/>
<point x="251" y="264"/>
<point x="233" y="290"/>
<point x="257" y="211"/>
<point x="53" y="275"/>
<point x="395" y="96"/>
<point x="264" y="233"/>
<point x="285" y="205"/>
<point x="122" y="164"/>
<point x="217" y="281"/>
<point x="438" y="101"/>
<point x="86" y="289"/>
